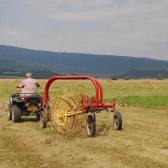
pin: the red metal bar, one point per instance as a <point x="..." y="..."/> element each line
<point x="100" y="90"/>
<point x="89" y="103"/>
<point x="97" y="85"/>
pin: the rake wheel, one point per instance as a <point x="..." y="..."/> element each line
<point x="65" y="115"/>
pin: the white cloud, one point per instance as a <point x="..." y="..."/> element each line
<point x="123" y="27"/>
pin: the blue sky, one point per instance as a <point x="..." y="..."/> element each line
<point x="118" y="27"/>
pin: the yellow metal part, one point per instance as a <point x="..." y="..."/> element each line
<point x="66" y="115"/>
<point x="72" y="113"/>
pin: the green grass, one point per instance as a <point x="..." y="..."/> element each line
<point x="142" y="93"/>
<point x="142" y="101"/>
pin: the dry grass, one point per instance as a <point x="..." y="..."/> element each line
<point x="143" y="142"/>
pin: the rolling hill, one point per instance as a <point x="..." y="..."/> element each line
<point x="15" y="61"/>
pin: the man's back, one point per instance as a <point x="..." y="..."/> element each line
<point x="29" y="85"/>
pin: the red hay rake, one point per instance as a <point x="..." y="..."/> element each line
<point x="89" y="105"/>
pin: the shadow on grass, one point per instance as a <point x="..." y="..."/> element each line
<point x="28" y="120"/>
<point x="105" y="129"/>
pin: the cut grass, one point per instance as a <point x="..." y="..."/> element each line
<point x="142" y="143"/>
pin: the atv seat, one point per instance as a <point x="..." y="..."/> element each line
<point x="34" y="95"/>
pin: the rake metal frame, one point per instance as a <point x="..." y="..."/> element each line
<point x="88" y="104"/>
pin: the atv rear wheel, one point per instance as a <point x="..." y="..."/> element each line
<point x="38" y="117"/>
<point x="16" y="113"/>
<point x="43" y="121"/>
<point x="117" y="120"/>
<point x="9" y="112"/>
<point x="91" y="126"/>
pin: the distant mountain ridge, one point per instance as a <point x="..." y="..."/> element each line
<point x="19" y="60"/>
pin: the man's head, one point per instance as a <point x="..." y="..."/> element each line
<point x="28" y="75"/>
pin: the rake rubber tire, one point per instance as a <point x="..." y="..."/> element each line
<point x="117" y="121"/>
<point x="16" y="113"/>
<point x="9" y="112"/>
<point x="91" y="126"/>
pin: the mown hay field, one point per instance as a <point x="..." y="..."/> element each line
<point x="143" y="142"/>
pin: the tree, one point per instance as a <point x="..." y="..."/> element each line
<point x="159" y="76"/>
<point x="114" y="78"/>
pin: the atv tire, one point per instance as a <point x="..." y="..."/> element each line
<point x="9" y="112"/>
<point x="38" y="117"/>
<point x="43" y="121"/>
<point x="16" y="113"/>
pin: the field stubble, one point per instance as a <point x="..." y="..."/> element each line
<point x="141" y="143"/>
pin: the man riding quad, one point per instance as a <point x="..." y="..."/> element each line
<point x="29" y="85"/>
<point x="26" y="103"/>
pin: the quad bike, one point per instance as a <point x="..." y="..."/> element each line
<point x="22" y="104"/>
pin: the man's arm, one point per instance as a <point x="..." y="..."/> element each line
<point x="20" y="85"/>
<point x="37" y="84"/>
